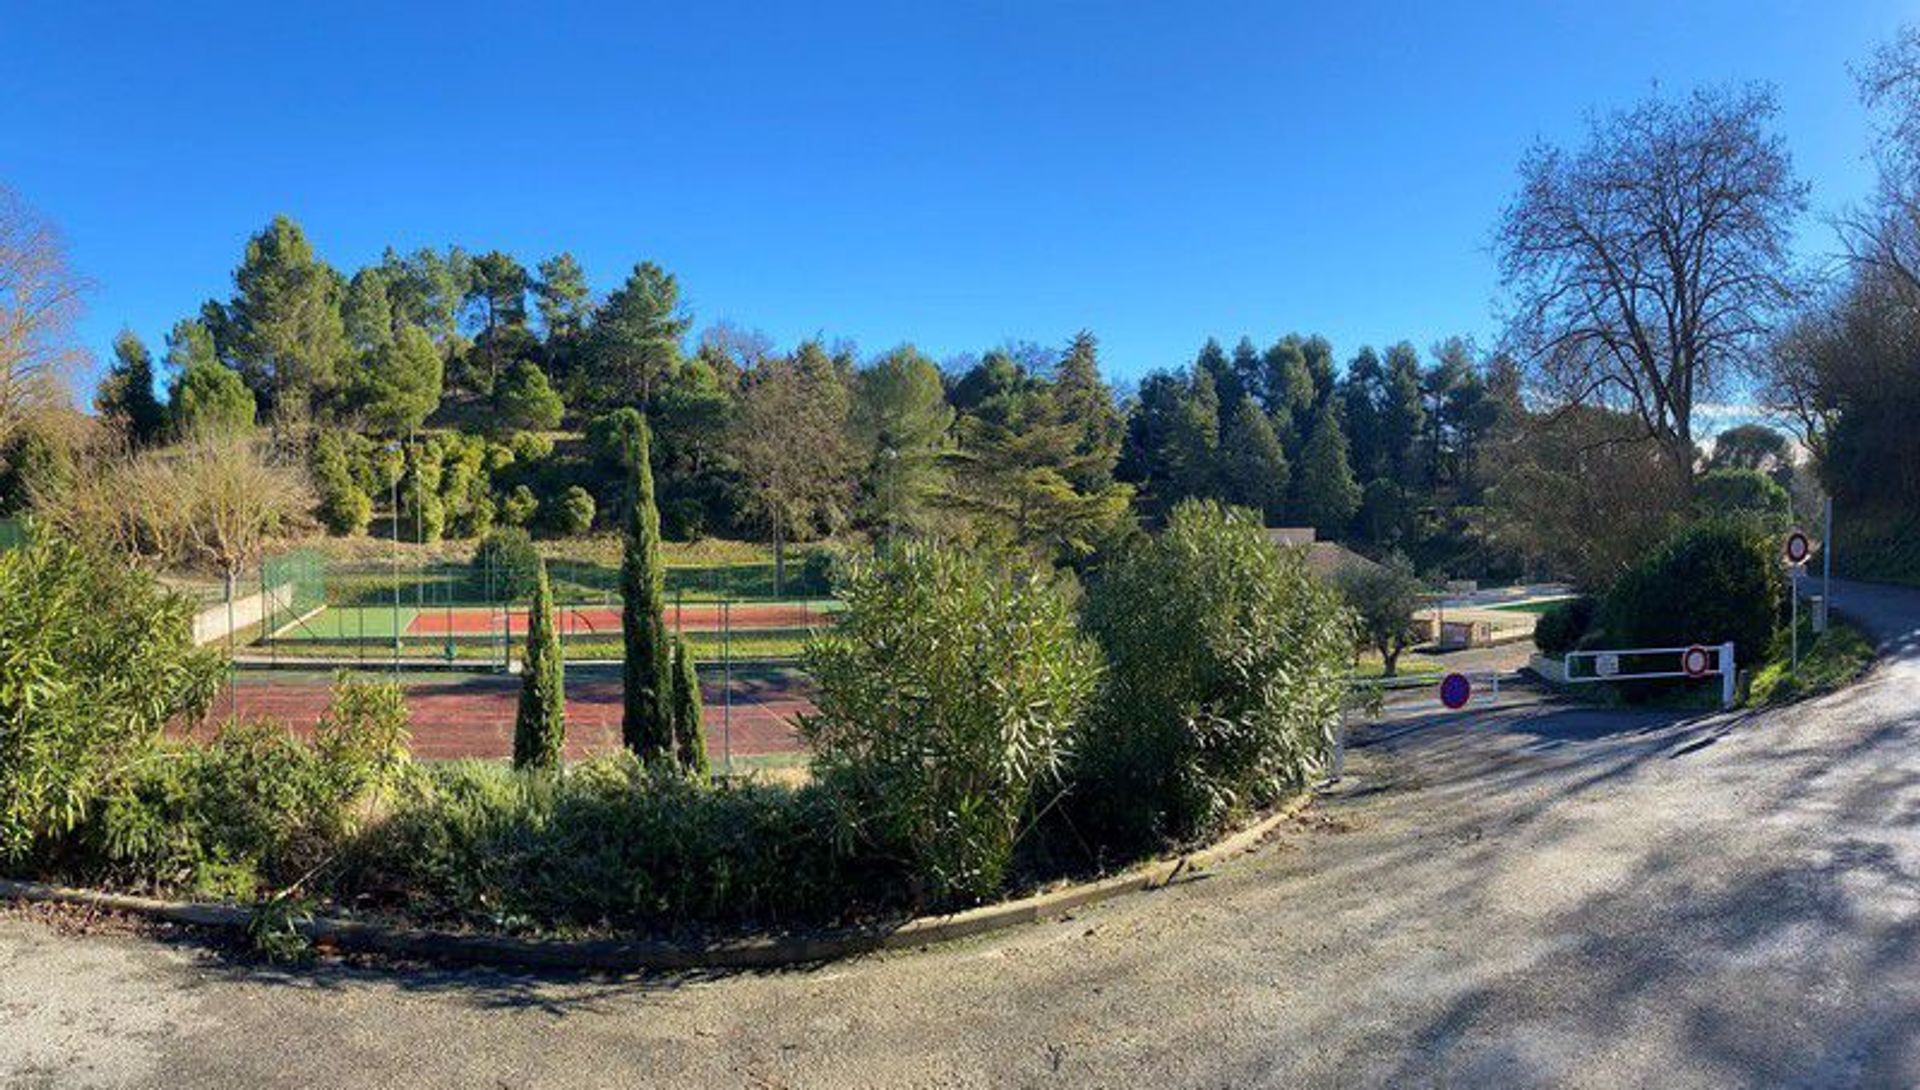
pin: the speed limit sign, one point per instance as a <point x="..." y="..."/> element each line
<point x="1798" y="548"/>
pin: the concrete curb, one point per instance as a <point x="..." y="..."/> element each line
<point x="628" y="956"/>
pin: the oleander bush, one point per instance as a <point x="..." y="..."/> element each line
<point x="1226" y="669"/>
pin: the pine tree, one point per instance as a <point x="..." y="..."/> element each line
<point x="1325" y="493"/>
<point x="646" y="723"/>
<point x="1253" y="467"/>
<point x="689" y="730"/>
<point x="284" y="326"/>
<point x="126" y="393"/>
<point x="1084" y="397"/>
<point x="540" y="728"/>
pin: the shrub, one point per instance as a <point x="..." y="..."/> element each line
<point x="946" y="694"/>
<point x="524" y="399"/>
<point x="95" y="658"/>
<point x="520" y="507"/>
<point x="1561" y="626"/>
<point x="1226" y="667"/>
<point x="1711" y="582"/>
<point x="530" y="446"/>
<point x="822" y="568"/>
<point x="345" y="507"/>
<point x="1749" y="492"/>
<point x="507" y="564"/>
<point x="253" y="805"/>
<point x="615" y="842"/>
<point x="573" y="514"/>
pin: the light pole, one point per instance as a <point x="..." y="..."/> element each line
<point x="393" y="527"/>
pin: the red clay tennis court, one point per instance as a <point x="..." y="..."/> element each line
<point x="471" y="715"/>
<point x="573" y="620"/>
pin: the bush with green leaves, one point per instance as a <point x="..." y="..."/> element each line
<point x="95" y="659"/>
<point x="1711" y="582"/>
<point x="573" y="513"/>
<point x="1743" y="492"/>
<point x="345" y="507"/>
<point x="946" y="691"/>
<point x="615" y="842"/>
<point x="520" y="506"/>
<point x="525" y="400"/>
<point x="1226" y="667"/>
<point x="506" y="565"/>
<point x="1563" y="624"/>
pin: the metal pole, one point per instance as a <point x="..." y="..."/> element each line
<point x="726" y="684"/>
<point x="1826" y="559"/>
<point x="394" y="526"/>
<point x="1793" y="592"/>
<point x="1728" y="673"/>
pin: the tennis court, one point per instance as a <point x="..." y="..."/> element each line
<point x="382" y="622"/>
<point x="749" y="712"/>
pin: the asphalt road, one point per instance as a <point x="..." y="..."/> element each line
<point x="1523" y="896"/>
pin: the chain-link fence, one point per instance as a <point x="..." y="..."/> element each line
<point x="409" y="612"/>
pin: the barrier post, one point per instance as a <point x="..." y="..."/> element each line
<point x="1728" y="671"/>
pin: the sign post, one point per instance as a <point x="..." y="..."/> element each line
<point x="1798" y="548"/>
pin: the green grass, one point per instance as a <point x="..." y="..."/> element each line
<point x="1535" y="608"/>
<point x="1827" y="662"/>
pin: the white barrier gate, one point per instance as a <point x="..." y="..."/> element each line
<point x="1697" y="661"/>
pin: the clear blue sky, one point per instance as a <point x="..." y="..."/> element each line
<point x="954" y="175"/>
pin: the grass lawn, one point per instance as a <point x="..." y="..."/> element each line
<point x="1535" y="608"/>
<point x="1827" y="662"/>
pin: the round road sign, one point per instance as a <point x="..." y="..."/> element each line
<point x="1798" y="548"/>
<point x="1455" y="691"/>
<point x="1695" y="660"/>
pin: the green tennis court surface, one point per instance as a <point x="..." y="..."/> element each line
<point x="342" y="623"/>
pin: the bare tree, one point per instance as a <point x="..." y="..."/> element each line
<point x="39" y="303"/>
<point x="217" y="502"/>
<point x="1646" y="267"/>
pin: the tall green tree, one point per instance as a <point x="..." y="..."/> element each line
<point x="792" y="447"/>
<point x="646" y="723"/>
<point x="1325" y="493"/>
<point x="367" y="312"/>
<point x="398" y="385"/>
<point x="1013" y="473"/>
<point x="208" y="398"/>
<point x="561" y="296"/>
<point x="900" y="424"/>
<point x="1253" y="466"/>
<point x="634" y="346"/>
<point x="540" y="725"/>
<point x="689" y="728"/>
<point x="525" y="400"/>
<point x="284" y="327"/>
<point x="426" y="289"/>
<point x="126" y="392"/>
<point x="1082" y="395"/>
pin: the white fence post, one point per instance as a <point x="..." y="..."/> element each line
<point x="1728" y="670"/>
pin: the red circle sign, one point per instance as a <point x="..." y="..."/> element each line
<point x="1798" y="548"/>
<point x="1455" y="691"/>
<point x="1695" y="660"/>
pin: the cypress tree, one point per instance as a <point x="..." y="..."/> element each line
<point x="1325" y="493"/>
<point x="689" y="731"/>
<point x="646" y="723"/>
<point x="540" y="728"/>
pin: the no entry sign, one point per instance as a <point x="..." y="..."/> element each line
<point x="1455" y="691"/>
<point x="1798" y="547"/>
<point x="1696" y="660"/>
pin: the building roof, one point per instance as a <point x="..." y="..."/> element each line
<point x="1326" y="559"/>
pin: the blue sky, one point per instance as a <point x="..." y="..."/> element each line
<point x="955" y="175"/>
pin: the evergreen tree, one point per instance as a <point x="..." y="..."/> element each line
<point x="190" y="344"/>
<point x="367" y="312"/>
<point x="525" y="400"/>
<point x="540" y="727"/>
<point x="344" y="506"/>
<point x="284" y="326"/>
<point x="210" y="398"/>
<point x="398" y="385"/>
<point x="1253" y="467"/>
<point x="900" y="422"/>
<point x="561" y="296"/>
<point x="646" y="723"/>
<point x="126" y="392"/>
<point x="1325" y="493"/>
<point x="1084" y="397"/>
<point x="1403" y="419"/>
<point x="689" y="729"/>
<point x="1189" y="461"/>
<point x="1361" y="394"/>
<point x="426" y="289"/>
<point x="635" y="342"/>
